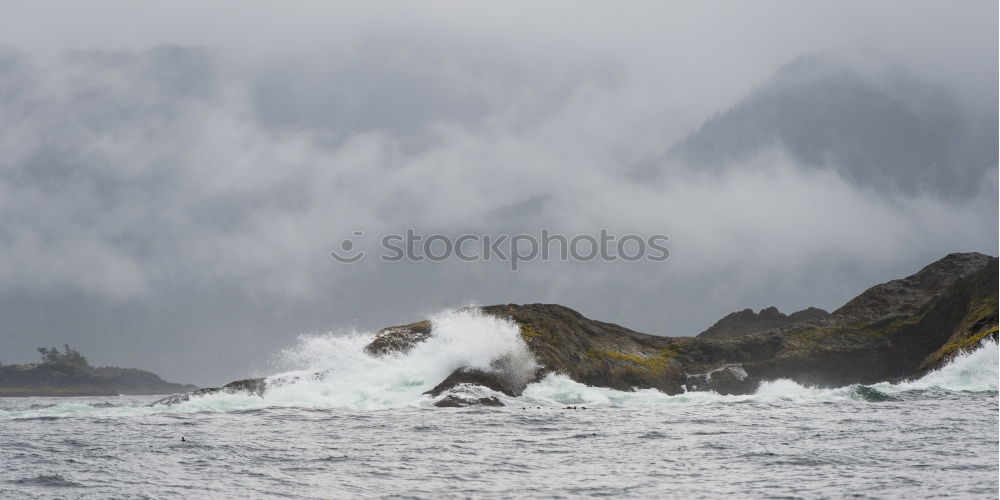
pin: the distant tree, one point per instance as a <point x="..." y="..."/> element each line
<point x="73" y="356"/>
<point x="49" y="355"/>
<point x="67" y="356"/>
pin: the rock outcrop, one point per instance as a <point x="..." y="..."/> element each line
<point x="747" y="322"/>
<point x="892" y="331"/>
<point x="399" y="338"/>
<point x="453" y="401"/>
<point x="492" y="380"/>
<point x="253" y="386"/>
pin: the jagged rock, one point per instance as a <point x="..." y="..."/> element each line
<point x="746" y="322"/>
<point x="490" y="380"/>
<point x="252" y="386"/>
<point x="808" y="314"/>
<point x="399" y="339"/>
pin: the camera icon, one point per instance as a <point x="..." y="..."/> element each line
<point x="346" y="247"/>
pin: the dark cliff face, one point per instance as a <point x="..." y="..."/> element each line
<point x="895" y="330"/>
<point x="910" y="294"/>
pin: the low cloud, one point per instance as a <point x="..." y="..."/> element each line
<point x="183" y="201"/>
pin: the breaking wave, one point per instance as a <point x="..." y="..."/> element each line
<point x="975" y="371"/>
<point x="351" y="379"/>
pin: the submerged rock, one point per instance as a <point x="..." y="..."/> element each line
<point x="873" y="395"/>
<point x="453" y="401"/>
<point x="250" y="386"/>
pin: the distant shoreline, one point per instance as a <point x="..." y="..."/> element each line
<point x="69" y="375"/>
<point x="69" y="392"/>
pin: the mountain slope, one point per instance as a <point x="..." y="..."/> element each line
<point x="899" y="135"/>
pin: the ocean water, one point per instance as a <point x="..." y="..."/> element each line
<point x="366" y="430"/>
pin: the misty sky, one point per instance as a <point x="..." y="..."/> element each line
<point x="174" y="175"/>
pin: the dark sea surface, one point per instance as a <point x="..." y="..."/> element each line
<point x="376" y="435"/>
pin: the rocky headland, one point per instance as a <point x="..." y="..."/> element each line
<point x="892" y="331"/>
<point x="68" y="374"/>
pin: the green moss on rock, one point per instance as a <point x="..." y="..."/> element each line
<point x="527" y="331"/>
<point x="656" y="364"/>
<point x="967" y="343"/>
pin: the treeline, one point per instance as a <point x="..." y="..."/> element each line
<point x="66" y="356"/>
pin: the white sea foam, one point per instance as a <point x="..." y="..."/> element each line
<point x="975" y="371"/>
<point x="350" y="378"/>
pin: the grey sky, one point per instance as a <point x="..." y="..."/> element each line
<point x="172" y="176"/>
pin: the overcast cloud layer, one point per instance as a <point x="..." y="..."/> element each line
<point x="172" y="180"/>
